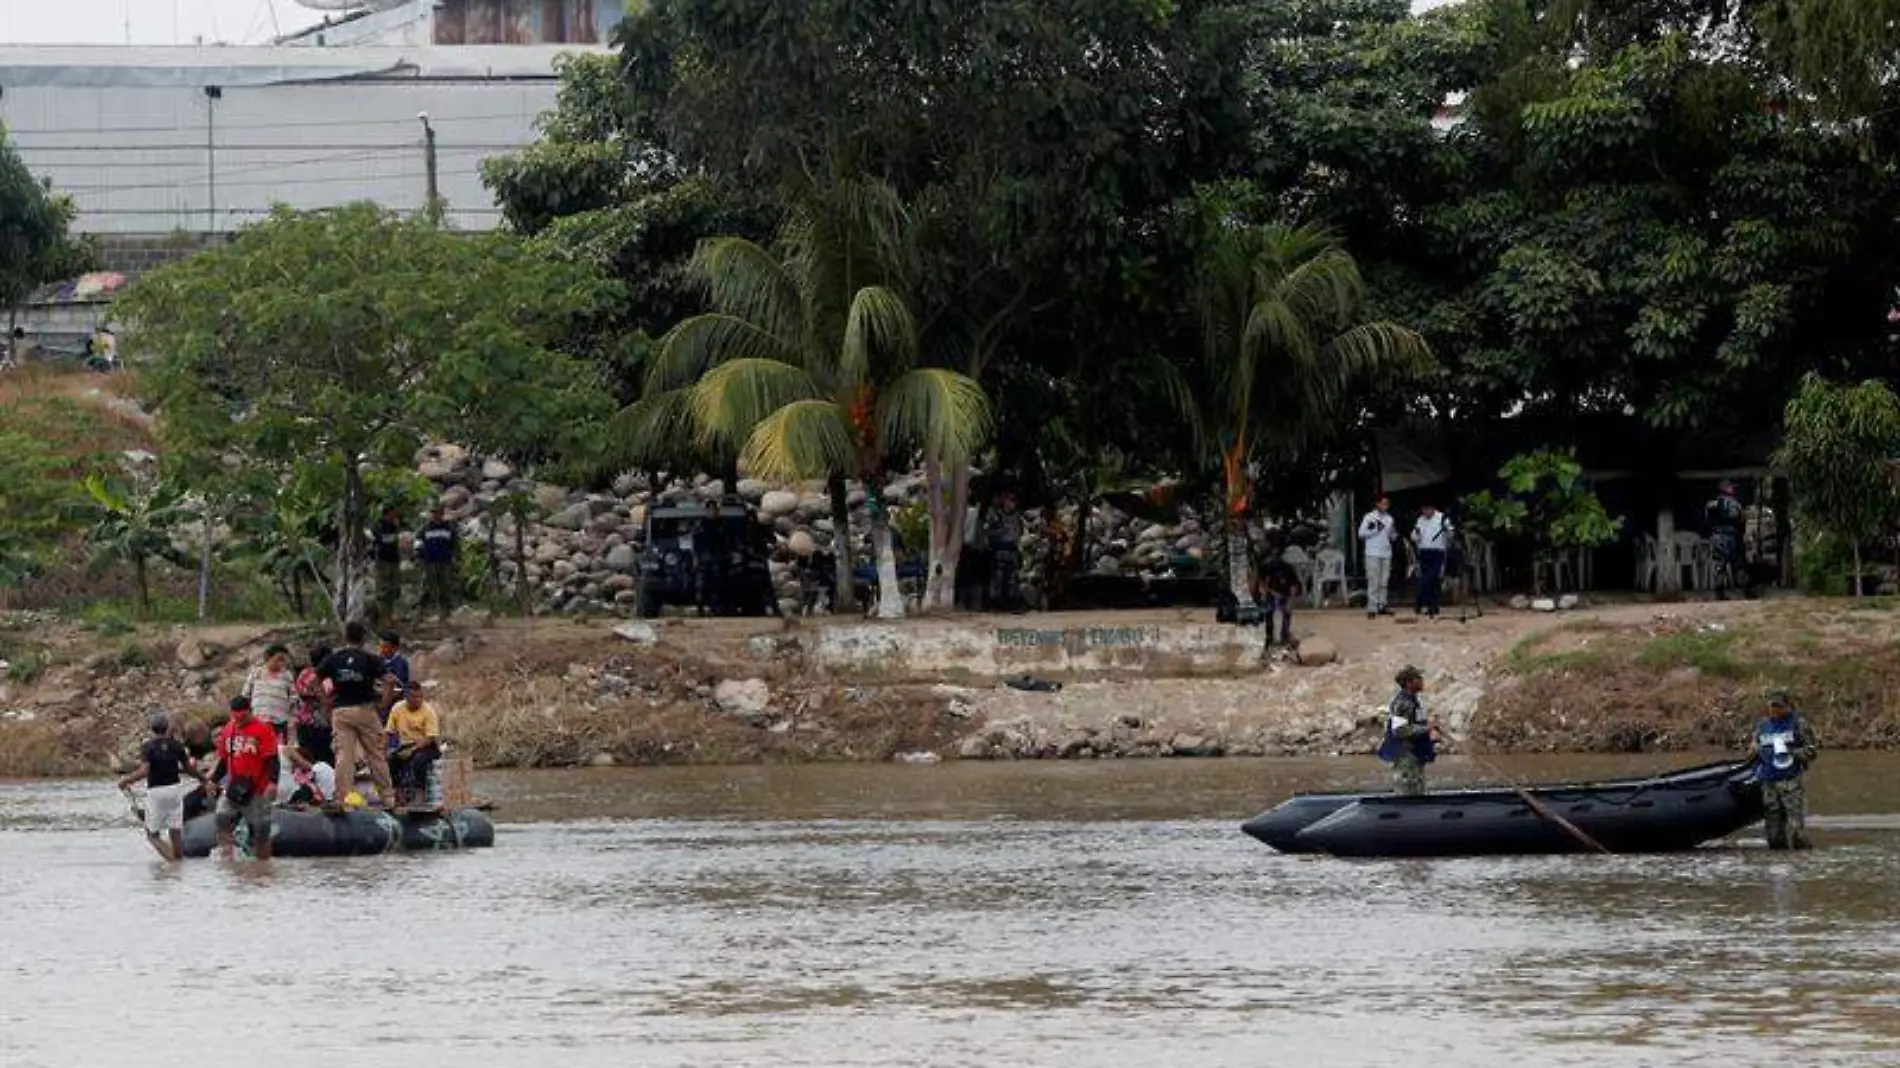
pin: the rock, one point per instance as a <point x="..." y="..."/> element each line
<point x="59" y="698"/>
<point x="548" y="552"/>
<point x="638" y="633"/>
<point x="921" y="757"/>
<point x="1521" y="603"/>
<point x="1314" y="652"/>
<point x="1569" y="601"/>
<point x="975" y="747"/>
<point x="814" y="506"/>
<point x="626" y="484"/>
<point x="601" y="760"/>
<point x="1544" y="604"/>
<point x="1130" y="720"/>
<point x="1193" y="745"/>
<point x="621" y="558"/>
<point x="192" y="654"/>
<point x="752" y="489"/>
<point x="1108" y="565"/>
<point x="550" y="497"/>
<point x="572" y="517"/>
<point x="494" y="470"/>
<point x="778" y="503"/>
<point x="743" y="697"/>
<point x="801" y="544"/>
<point x="616" y="583"/>
<point x="454" y="498"/>
<point x="625" y="597"/>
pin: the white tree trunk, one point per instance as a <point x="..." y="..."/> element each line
<point x="1239" y="564"/>
<point x="948" y="502"/>
<point x="204" y="567"/>
<point x="890" y="599"/>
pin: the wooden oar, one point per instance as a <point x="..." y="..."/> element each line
<point x="1542" y="809"/>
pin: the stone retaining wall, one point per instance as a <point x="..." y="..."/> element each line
<point x="948" y="650"/>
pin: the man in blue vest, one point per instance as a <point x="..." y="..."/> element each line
<point x="1783" y="750"/>
<point x="1410" y="739"/>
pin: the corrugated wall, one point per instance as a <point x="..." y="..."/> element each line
<point x="145" y="161"/>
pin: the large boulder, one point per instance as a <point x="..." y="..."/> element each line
<point x="752" y="488"/>
<point x="1316" y="651"/>
<point x="621" y="558"/>
<point x="743" y="697"/>
<point x="572" y="517"/>
<point x="494" y="470"/>
<point x="778" y="503"/>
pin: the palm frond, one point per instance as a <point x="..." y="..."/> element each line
<point x="879" y="332"/>
<point x="650" y="431"/>
<point x="803" y="439"/>
<point x="695" y="345"/>
<point x="736" y="396"/>
<point x="940" y="411"/>
<point x="1324" y="288"/>
<point x="747" y="282"/>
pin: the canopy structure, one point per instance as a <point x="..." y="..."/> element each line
<point x="1611" y="448"/>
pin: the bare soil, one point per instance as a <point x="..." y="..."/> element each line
<point x="547" y="692"/>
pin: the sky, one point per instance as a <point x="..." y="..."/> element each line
<point x="153" y="22"/>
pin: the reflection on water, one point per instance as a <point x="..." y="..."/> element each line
<point x="1046" y="915"/>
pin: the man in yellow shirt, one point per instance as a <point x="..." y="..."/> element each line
<point x="417" y="732"/>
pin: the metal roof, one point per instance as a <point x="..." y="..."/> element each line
<point x="118" y="66"/>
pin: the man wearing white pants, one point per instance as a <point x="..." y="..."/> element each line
<point x="1376" y="530"/>
<point x="163" y="764"/>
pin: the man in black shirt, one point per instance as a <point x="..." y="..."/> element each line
<point x="436" y="548"/>
<point x="388" y="550"/>
<point x="1282" y="588"/>
<point x="355" y="677"/>
<point x="163" y="762"/>
<point x="709" y="562"/>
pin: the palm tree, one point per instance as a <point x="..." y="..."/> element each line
<point x="133" y="525"/>
<point x="807" y="365"/>
<point x="1287" y="346"/>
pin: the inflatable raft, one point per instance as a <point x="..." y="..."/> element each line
<point x="1662" y="813"/>
<point x="315" y="833"/>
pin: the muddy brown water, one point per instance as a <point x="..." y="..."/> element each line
<point x="1086" y="915"/>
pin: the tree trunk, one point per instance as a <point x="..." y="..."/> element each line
<point x="204" y="567"/>
<point x="347" y="587"/>
<point x="1860" y="588"/>
<point x="522" y="589"/>
<point x="296" y="591"/>
<point x="890" y="598"/>
<point x="145" y="589"/>
<point x="1239" y="562"/>
<point x="841" y="544"/>
<point x="948" y="502"/>
<point x="492" y="583"/>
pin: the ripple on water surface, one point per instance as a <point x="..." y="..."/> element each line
<point x="1097" y="924"/>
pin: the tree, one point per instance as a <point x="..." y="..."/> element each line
<point x="132" y="524"/>
<point x="35" y="245"/>
<point x="1839" y="456"/>
<point x="35" y="500"/>
<point x="808" y="362"/>
<point x="1287" y="348"/>
<point x="347" y="337"/>
<point x="1546" y="504"/>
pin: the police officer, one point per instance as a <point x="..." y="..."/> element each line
<point x="1783" y="750"/>
<point x="1724" y="518"/>
<point x="1410" y="739"/>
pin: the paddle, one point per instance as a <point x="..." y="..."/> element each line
<point x="1542" y="810"/>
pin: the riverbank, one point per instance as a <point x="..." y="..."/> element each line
<point x="551" y="693"/>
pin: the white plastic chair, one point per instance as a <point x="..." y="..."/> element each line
<point x="1329" y="570"/>
<point x="1646" y="564"/>
<point x="1692" y="555"/>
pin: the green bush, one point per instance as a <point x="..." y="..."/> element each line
<point x="1824" y="564"/>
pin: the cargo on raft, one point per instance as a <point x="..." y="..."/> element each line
<point x="1677" y="810"/>
<point x="365" y="832"/>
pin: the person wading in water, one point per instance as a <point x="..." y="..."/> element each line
<point x="1783" y="750"/>
<point x="1410" y="739"/>
<point x="355" y="677"/>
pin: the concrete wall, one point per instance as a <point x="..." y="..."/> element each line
<point x="937" y="650"/>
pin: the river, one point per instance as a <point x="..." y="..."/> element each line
<point x="1077" y="915"/>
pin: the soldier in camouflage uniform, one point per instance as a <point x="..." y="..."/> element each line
<point x="1783" y="750"/>
<point x="1410" y="739"/>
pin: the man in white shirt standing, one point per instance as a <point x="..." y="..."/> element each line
<point x="1432" y="535"/>
<point x="1376" y="530"/>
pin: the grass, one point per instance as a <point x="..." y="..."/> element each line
<point x="1710" y="652"/>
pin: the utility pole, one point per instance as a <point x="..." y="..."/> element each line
<point x="432" y="205"/>
<point x="212" y="95"/>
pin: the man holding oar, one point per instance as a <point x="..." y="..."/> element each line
<point x="1410" y="739"/>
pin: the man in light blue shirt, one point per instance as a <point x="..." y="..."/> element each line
<point x="1376" y="531"/>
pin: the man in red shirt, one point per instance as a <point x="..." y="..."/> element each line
<point x="247" y="752"/>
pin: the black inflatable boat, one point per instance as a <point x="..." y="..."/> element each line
<point x="1662" y="813"/>
<point x="314" y="833"/>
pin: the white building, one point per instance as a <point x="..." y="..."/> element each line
<point x="155" y="141"/>
<point x="462" y="22"/>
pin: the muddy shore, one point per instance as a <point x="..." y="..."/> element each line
<point x="1621" y="678"/>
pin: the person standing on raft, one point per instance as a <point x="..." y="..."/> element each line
<point x="1783" y="750"/>
<point x="1410" y="739"/>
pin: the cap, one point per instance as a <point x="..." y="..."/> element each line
<point x="1779" y="699"/>
<point x="391" y="637"/>
<point x="161" y="723"/>
<point x="240" y="703"/>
